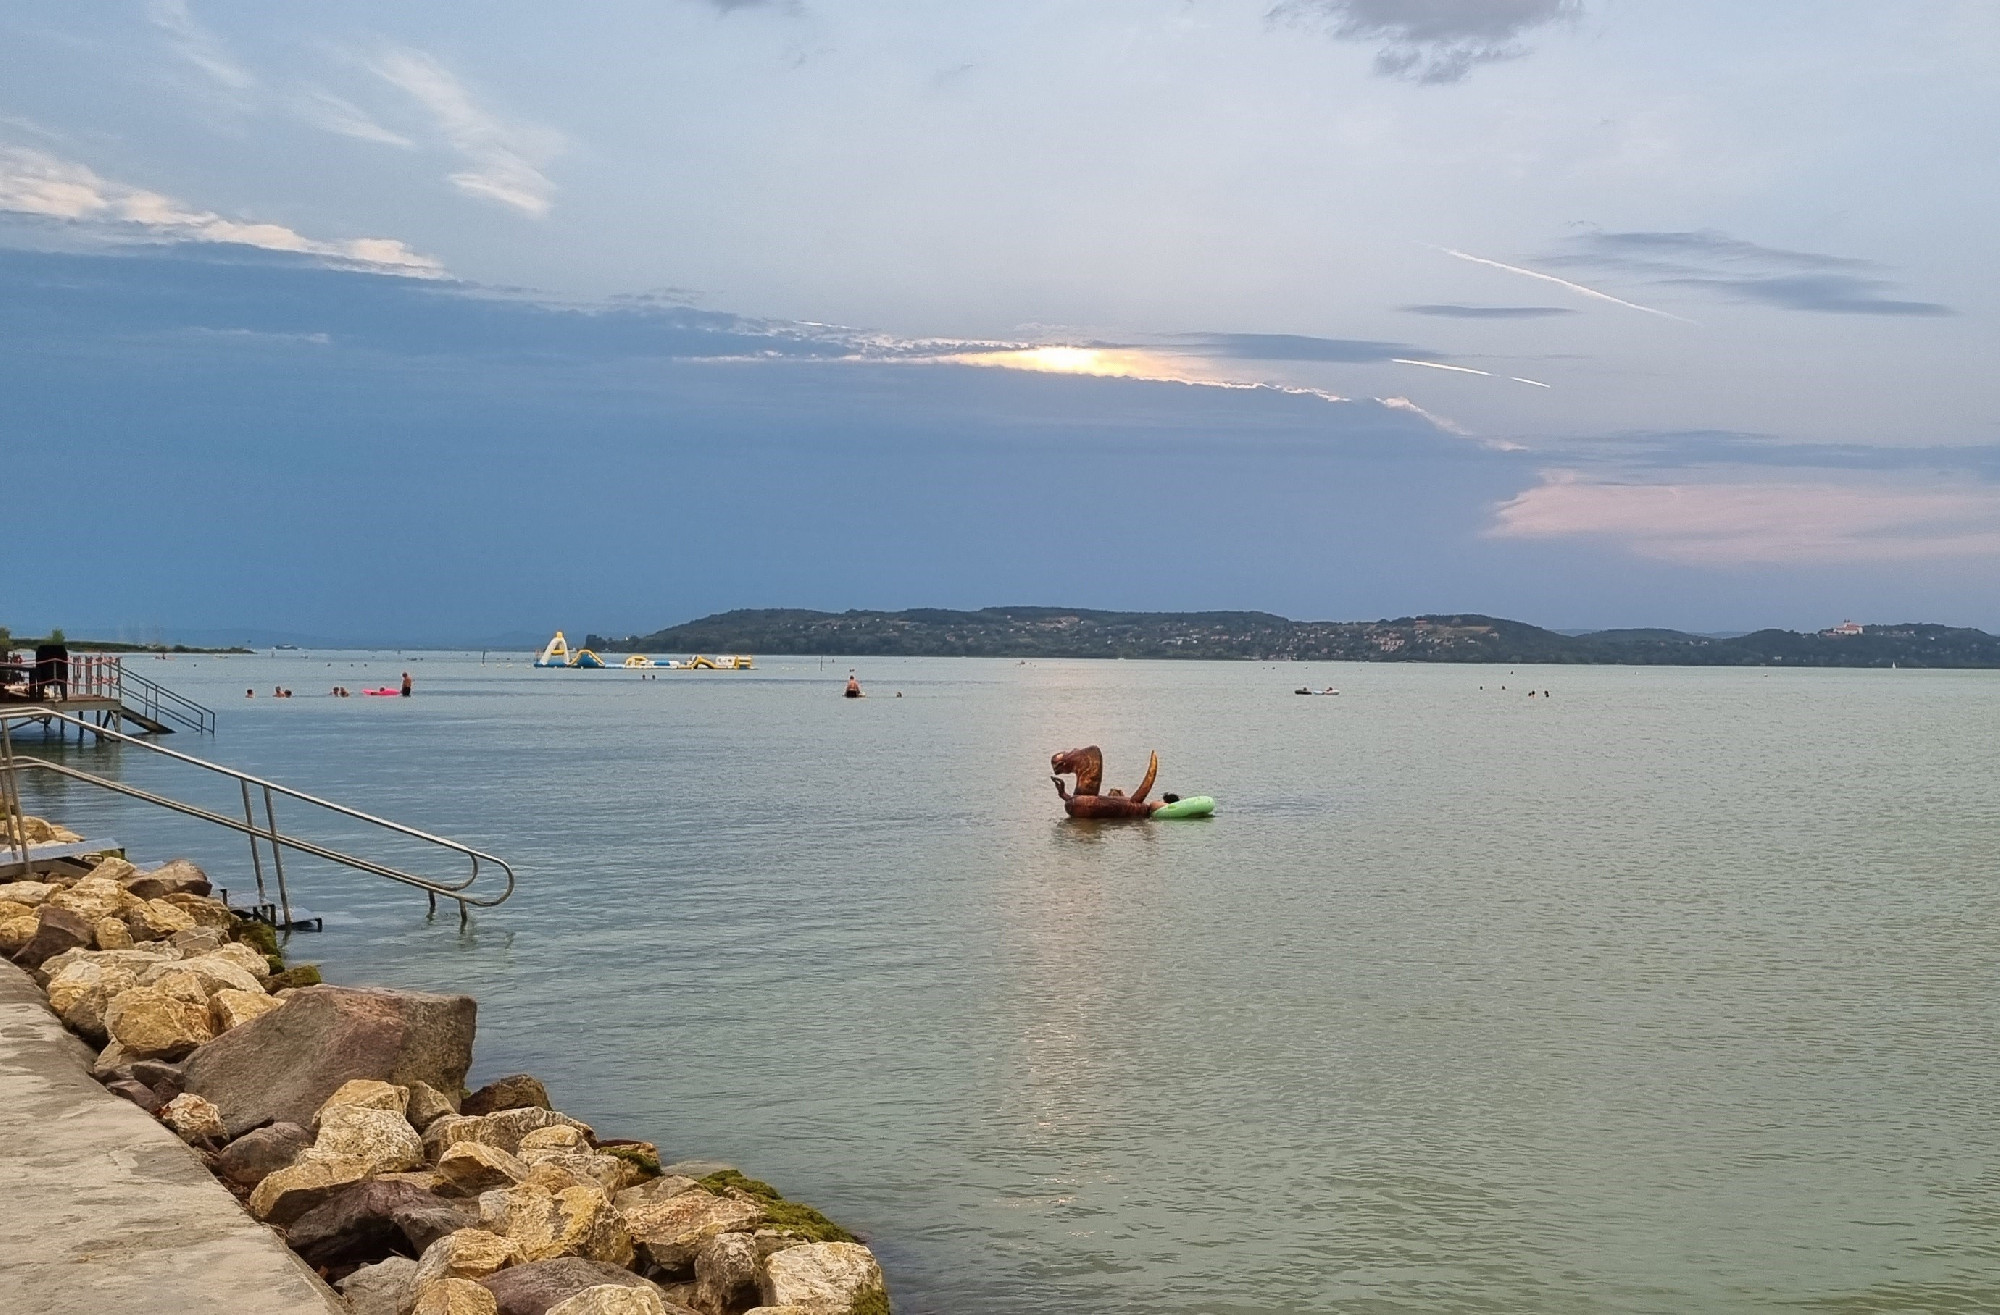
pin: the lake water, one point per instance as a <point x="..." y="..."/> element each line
<point x="1676" y="990"/>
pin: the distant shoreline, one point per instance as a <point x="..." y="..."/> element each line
<point x="1048" y="632"/>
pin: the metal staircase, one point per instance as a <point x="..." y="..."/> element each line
<point x="274" y="901"/>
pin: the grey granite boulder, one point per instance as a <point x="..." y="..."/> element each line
<point x="284" y="1064"/>
<point x="517" y="1092"/>
<point x="178" y="877"/>
<point x="531" y="1289"/>
<point x="374" y="1219"/>
<point x="379" y="1289"/>
<point x="57" y="930"/>
<point x="261" y="1152"/>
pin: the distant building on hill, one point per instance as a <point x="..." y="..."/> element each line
<point x="1845" y="628"/>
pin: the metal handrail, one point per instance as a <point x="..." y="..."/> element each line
<point x="265" y="834"/>
<point x="158" y="702"/>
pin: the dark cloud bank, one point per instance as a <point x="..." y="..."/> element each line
<point x="1746" y="271"/>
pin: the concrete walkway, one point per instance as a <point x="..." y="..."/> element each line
<point x="105" y="1210"/>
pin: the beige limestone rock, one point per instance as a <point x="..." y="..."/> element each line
<point x="111" y="868"/>
<point x="455" y="1296"/>
<point x="427" y="1105"/>
<point x="574" y="1222"/>
<point x="562" y="1137"/>
<point x="113" y="935"/>
<point x="41" y="831"/>
<point x="381" y="1139"/>
<point x="243" y="957"/>
<point x="16" y="932"/>
<point x="503" y="1130"/>
<point x="725" y="1274"/>
<point x="227" y="1008"/>
<point x="156" y="920"/>
<point x="611" y="1299"/>
<point x="672" y="1230"/>
<point x="30" y="893"/>
<point x="289" y="1192"/>
<point x="200" y="940"/>
<point x="205" y="911"/>
<point x="82" y="992"/>
<point x="177" y="874"/>
<point x="777" y="1310"/>
<point x="365" y="1093"/>
<point x="214" y="974"/>
<point x="468" y="1253"/>
<point x="152" y="1024"/>
<point x="94" y="898"/>
<point x="653" y="1192"/>
<point x="470" y="1168"/>
<point x="9" y="909"/>
<point x="193" y="1119"/>
<point x="826" y="1278"/>
<point x="182" y="986"/>
<point x="138" y="959"/>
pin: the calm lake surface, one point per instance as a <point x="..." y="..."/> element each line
<point x="1676" y="991"/>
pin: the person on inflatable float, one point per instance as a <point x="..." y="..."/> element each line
<point x="1087" y="765"/>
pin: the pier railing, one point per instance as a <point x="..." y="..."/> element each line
<point x="264" y="836"/>
<point x="160" y="703"/>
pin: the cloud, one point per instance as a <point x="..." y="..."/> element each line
<point x="1746" y="271"/>
<point x="503" y="160"/>
<point x="1739" y="520"/>
<point x="197" y="45"/>
<point x="343" y="118"/>
<point x="1456" y="312"/>
<point x="38" y="184"/>
<point x="1292" y="347"/>
<point x="1435" y="40"/>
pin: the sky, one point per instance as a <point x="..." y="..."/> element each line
<point x="394" y="323"/>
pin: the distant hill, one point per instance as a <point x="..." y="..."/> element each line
<point x="1067" y="632"/>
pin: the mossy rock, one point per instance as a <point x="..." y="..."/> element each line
<point x="787" y="1216"/>
<point x="638" y="1156"/>
<point x="306" y="974"/>
<point x="260" y="937"/>
<point x="872" y="1302"/>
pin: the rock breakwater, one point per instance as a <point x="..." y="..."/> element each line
<point x="340" y="1117"/>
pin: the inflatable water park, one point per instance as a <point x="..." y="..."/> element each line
<point x="558" y="653"/>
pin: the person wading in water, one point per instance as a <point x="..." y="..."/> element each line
<point x="853" y="686"/>
<point x="407" y="683"/>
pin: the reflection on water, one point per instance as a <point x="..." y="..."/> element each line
<point x="1673" y="992"/>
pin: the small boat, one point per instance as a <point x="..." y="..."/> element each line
<point x="1199" y="805"/>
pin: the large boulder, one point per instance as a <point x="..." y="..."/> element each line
<point x="374" y="1219"/>
<point x="612" y="1299"/>
<point x="30" y="893"/>
<point x="532" y="1289"/>
<point x="229" y="951"/>
<point x="96" y="898"/>
<point x="57" y="929"/>
<point x="454" y="1296"/>
<point x="215" y="973"/>
<point x="520" y="1091"/>
<point x="81" y="992"/>
<point x="261" y="1152"/>
<point x="427" y="1105"/>
<point x="285" y="1064"/>
<point x="470" y="1168"/>
<point x="310" y="1181"/>
<point x="148" y="1023"/>
<point x="577" y="1221"/>
<point x="825" y="1278"/>
<point x="467" y="1253"/>
<point x="113" y="935"/>
<point x="671" y="1231"/>
<point x="16" y="930"/>
<point x="179" y="875"/>
<point x="367" y="1094"/>
<point x="378" y="1289"/>
<point x="382" y="1139"/>
<point x="206" y="911"/>
<point x="503" y="1131"/>
<point x="725" y="1274"/>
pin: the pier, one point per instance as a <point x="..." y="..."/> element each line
<point x="96" y="690"/>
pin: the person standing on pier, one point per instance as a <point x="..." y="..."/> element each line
<point x="406" y="684"/>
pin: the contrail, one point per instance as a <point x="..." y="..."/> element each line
<point x="1433" y="365"/>
<point x="1573" y="287"/>
<point x="1536" y="382"/>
